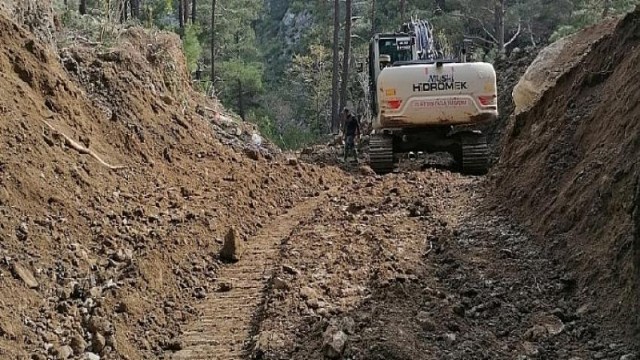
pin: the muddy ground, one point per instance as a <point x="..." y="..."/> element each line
<point x="415" y="266"/>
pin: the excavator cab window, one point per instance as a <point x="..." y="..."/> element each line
<point x="396" y="48"/>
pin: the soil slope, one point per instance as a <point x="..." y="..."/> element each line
<point x="113" y="261"/>
<point x="569" y="170"/>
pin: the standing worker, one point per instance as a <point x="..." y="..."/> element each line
<point x="351" y="133"/>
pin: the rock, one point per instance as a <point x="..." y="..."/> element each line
<point x="78" y="344"/>
<point x="22" y="231"/>
<point x="424" y="320"/>
<point x="313" y="303"/>
<point x="91" y="356"/>
<point x="530" y="349"/>
<point x="280" y="284"/>
<point x="256" y="139"/>
<point x="559" y="313"/>
<point x="334" y="342"/>
<point x="98" y="324"/>
<point x="200" y="293"/>
<point x="355" y="208"/>
<point x="233" y="246"/>
<point x="366" y="170"/>
<point x="553" y="324"/>
<point x="583" y="310"/>
<point x="459" y="310"/>
<point x="292" y="161"/>
<point x="269" y="340"/>
<point x="629" y="356"/>
<point x="308" y="293"/>
<point x="95" y="292"/>
<point x="111" y="342"/>
<point x="225" y="286"/>
<point x="98" y="343"/>
<point x="536" y="333"/>
<point x="64" y="352"/>
<point x="65" y="292"/>
<point x="290" y="270"/>
<point x="173" y="345"/>
<point x="348" y="325"/>
<point x="6" y="330"/>
<point x="252" y="153"/>
<point x="25" y="275"/>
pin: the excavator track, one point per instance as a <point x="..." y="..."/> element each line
<point x="227" y="326"/>
<point x="475" y="153"/>
<point x="381" y="153"/>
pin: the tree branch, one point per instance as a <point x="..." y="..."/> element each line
<point x="489" y="10"/>
<point x="481" y="39"/>
<point x="515" y="35"/>
<point x="533" y="40"/>
<point x="481" y="25"/>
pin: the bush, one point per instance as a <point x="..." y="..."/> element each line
<point x="191" y="46"/>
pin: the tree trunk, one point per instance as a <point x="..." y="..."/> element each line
<point x="346" y="56"/>
<point x="241" y="110"/>
<point x="499" y="23"/>
<point x="180" y="14"/>
<point x="83" y="7"/>
<point x="135" y="9"/>
<point x="185" y="13"/>
<point x="335" y="110"/>
<point x="193" y="11"/>
<point x="213" y="41"/>
<point x="605" y="10"/>
<point x="373" y="17"/>
<point x="403" y="9"/>
<point x="123" y="9"/>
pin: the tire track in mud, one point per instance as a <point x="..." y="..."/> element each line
<point x="228" y="323"/>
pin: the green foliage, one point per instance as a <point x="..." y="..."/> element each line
<point x="589" y="12"/>
<point x="294" y="137"/>
<point x="311" y="76"/>
<point x="191" y="46"/>
<point x="241" y="83"/>
<point x="264" y="123"/>
<point x="289" y="137"/>
<point x="273" y="57"/>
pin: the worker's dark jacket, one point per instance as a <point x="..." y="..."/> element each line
<point x="351" y="128"/>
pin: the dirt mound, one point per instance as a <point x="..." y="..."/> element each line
<point x="508" y="73"/>
<point x="569" y="169"/>
<point x="113" y="259"/>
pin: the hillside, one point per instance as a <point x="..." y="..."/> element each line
<point x="118" y="250"/>
<point x="568" y="169"/>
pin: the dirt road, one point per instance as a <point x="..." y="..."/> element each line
<point x="411" y="266"/>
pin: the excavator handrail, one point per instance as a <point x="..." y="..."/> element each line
<point x="424" y="62"/>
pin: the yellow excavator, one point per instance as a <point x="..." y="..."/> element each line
<point x="424" y="102"/>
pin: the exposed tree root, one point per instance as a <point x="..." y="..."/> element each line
<point x="81" y="149"/>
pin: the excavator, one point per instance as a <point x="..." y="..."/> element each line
<point x="424" y="101"/>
